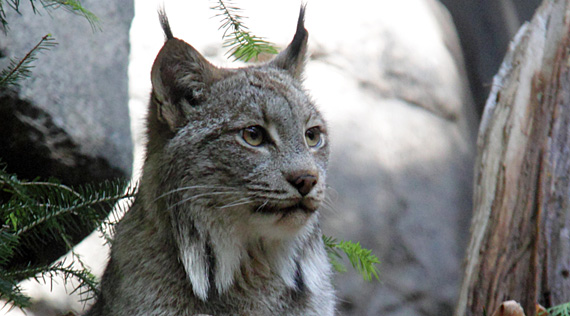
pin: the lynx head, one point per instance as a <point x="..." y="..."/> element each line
<point x="246" y="147"/>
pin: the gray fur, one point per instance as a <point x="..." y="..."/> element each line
<point x="218" y="226"/>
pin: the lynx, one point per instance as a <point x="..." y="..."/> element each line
<point x="226" y="220"/>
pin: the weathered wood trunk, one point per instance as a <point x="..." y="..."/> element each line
<point x="520" y="234"/>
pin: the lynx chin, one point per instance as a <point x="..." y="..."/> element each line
<point x="226" y="221"/>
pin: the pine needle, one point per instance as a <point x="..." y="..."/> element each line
<point x="558" y="310"/>
<point x="20" y="69"/>
<point x="73" y="6"/>
<point x="362" y="259"/>
<point x="14" y="4"/>
<point x="241" y="43"/>
<point x="41" y="210"/>
<point x="12" y="294"/>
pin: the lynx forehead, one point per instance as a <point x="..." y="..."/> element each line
<point x="226" y="218"/>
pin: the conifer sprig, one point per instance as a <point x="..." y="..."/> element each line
<point x="361" y="259"/>
<point x="12" y="293"/>
<point x="14" y="4"/>
<point x="73" y="6"/>
<point x="19" y="69"/>
<point x="558" y="310"/>
<point x="241" y="43"/>
<point x="47" y="210"/>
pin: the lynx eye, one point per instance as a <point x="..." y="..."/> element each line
<point x="254" y="135"/>
<point x="313" y="137"/>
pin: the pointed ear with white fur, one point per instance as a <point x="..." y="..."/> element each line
<point x="293" y="58"/>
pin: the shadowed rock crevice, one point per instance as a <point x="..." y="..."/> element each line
<point x="32" y="146"/>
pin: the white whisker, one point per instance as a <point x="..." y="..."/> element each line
<point x="332" y="194"/>
<point x="236" y="203"/>
<point x="190" y="188"/>
<point x="194" y="197"/>
<point x="329" y="205"/>
<point x="262" y="206"/>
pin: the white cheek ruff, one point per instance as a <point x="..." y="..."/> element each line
<point x="229" y="253"/>
<point x="233" y="240"/>
<point x="193" y="257"/>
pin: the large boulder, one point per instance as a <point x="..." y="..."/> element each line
<point x="391" y="81"/>
<point x="76" y="101"/>
<point x="70" y="118"/>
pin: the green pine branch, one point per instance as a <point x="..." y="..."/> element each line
<point x="19" y="69"/>
<point x="73" y="6"/>
<point x="14" y="4"/>
<point x="558" y="310"/>
<point x="241" y="43"/>
<point x="362" y="259"/>
<point x="11" y="292"/>
<point x="48" y="210"/>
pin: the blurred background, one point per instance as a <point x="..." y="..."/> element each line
<point x="402" y="84"/>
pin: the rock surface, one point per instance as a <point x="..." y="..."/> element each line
<point x="70" y="119"/>
<point x="394" y="90"/>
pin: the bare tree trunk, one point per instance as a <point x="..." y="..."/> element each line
<point x="520" y="234"/>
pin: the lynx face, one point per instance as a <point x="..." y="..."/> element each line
<point x="255" y="148"/>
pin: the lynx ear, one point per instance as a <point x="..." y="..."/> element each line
<point x="293" y="57"/>
<point x="180" y="79"/>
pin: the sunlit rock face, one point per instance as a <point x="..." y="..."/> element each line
<point x="391" y="80"/>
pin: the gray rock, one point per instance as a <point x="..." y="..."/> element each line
<point x="70" y="119"/>
<point x="79" y="88"/>
<point x="402" y="127"/>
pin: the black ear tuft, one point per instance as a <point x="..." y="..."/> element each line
<point x="164" y="23"/>
<point x="293" y="57"/>
<point x="301" y="34"/>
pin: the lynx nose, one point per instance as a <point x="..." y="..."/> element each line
<point x="304" y="183"/>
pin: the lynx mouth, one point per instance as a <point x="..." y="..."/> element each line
<point x="298" y="207"/>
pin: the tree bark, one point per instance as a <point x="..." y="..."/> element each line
<point x="520" y="234"/>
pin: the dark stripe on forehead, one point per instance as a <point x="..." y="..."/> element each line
<point x="272" y="80"/>
<point x="266" y="82"/>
